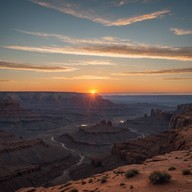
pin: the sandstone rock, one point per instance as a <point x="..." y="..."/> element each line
<point x="182" y="117"/>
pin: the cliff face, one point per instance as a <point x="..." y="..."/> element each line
<point x="11" y="107"/>
<point x="30" y="163"/>
<point x="54" y="99"/>
<point x="103" y="133"/>
<point x="182" y="117"/>
<point x="160" y="115"/>
<point x="136" y="151"/>
<point x="154" y="123"/>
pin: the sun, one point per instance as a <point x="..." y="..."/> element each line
<point x="93" y="91"/>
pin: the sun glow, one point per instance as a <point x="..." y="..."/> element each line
<point x="93" y="91"/>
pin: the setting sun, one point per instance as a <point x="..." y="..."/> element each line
<point x="93" y="91"/>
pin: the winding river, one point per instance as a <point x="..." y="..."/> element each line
<point x="82" y="157"/>
<point x="65" y="175"/>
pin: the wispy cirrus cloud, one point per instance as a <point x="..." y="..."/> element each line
<point x="86" y="63"/>
<point x="77" y="10"/>
<point x="178" y="78"/>
<point x="106" y="47"/>
<point x="179" y="31"/>
<point x="139" y="18"/>
<point x="83" y="77"/>
<point x="122" y="51"/>
<point x="123" y="2"/>
<point x="158" y="72"/>
<point x="29" y="67"/>
<point x="72" y="40"/>
<point x="5" y="80"/>
<point x="73" y="9"/>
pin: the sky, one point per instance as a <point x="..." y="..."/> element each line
<point x="105" y="46"/>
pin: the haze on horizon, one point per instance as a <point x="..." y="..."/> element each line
<point x="111" y="46"/>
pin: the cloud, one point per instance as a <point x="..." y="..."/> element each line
<point x="107" y="46"/>
<point x="178" y="31"/>
<point x="85" y="63"/>
<point x="139" y="18"/>
<point x="64" y="38"/>
<point x="158" y="72"/>
<point x="120" y="2"/>
<point x="178" y="78"/>
<point x="83" y="77"/>
<point x="5" y="80"/>
<point x="28" y="67"/>
<point x="122" y="51"/>
<point x="94" y="62"/>
<point x="72" y="9"/>
<point x="123" y="2"/>
<point x="77" y="10"/>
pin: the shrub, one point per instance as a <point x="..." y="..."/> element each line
<point x="122" y="184"/>
<point x="131" y="187"/>
<point x="158" y="177"/>
<point x="90" y="181"/>
<point x="118" y="171"/>
<point x="103" y="180"/>
<point x="186" y="172"/>
<point x="131" y="173"/>
<point x="74" y="190"/>
<point x="172" y="168"/>
<point x="83" y="182"/>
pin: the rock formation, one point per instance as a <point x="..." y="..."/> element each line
<point x="103" y="133"/>
<point x="54" y="99"/>
<point x="136" y="151"/>
<point x="30" y="162"/>
<point x="182" y="117"/>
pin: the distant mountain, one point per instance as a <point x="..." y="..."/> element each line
<point x="56" y="99"/>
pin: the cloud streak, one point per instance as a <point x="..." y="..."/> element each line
<point x="121" y="51"/>
<point x="64" y="38"/>
<point x="178" y="78"/>
<point x="158" y="72"/>
<point x="83" y="77"/>
<point x="5" y="80"/>
<point x="139" y="18"/>
<point x="28" y="67"/>
<point x="77" y="11"/>
<point x="71" y="9"/>
<point x="179" y="31"/>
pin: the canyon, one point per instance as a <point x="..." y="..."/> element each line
<point x="49" y="139"/>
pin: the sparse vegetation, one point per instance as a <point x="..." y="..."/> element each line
<point x="122" y="184"/>
<point x="83" y="182"/>
<point x="172" y="168"/>
<point x="186" y="172"/>
<point x="158" y="177"/>
<point x="118" y="171"/>
<point x="103" y="180"/>
<point x="131" y="173"/>
<point x="131" y="187"/>
<point x="90" y="181"/>
<point x="73" y="190"/>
